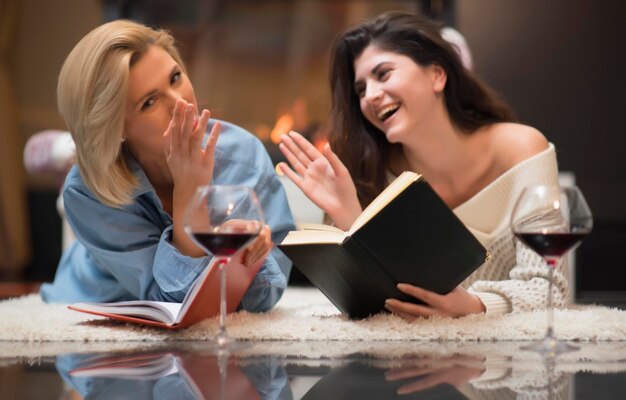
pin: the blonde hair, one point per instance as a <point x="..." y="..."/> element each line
<point x="91" y="95"/>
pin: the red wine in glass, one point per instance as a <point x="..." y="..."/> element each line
<point x="551" y="220"/>
<point x="223" y="244"/>
<point x="223" y="220"/>
<point x="554" y="244"/>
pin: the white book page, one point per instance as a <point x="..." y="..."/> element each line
<point x="156" y="310"/>
<point x="396" y="187"/>
<point x="312" y="236"/>
<point x="307" y="226"/>
<point x="319" y="233"/>
<point x="166" y="312"/>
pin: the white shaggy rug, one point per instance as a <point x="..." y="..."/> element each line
<point x="304" y="314"/>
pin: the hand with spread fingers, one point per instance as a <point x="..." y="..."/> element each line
<point x="322" y="177"/>
<point x="190" y="165"/>
<point x="459" y="302"/>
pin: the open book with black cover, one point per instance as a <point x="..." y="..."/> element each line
<point x="406" y="235"/>
<point x="202" y="300"/>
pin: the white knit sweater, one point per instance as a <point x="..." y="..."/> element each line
<point x="515" y="278"/>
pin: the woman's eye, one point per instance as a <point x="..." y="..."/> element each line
<point x="383" y="74"/>
<point x="175" y="77"/>
<point x="147" y="104"/>
<point x="360" y="91"/>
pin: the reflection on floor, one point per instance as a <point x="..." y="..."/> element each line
<point x="310" y="370"/>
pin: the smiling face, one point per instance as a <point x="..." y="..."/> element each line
<point x="155" y="82"/>
<point x="396" y="94"/>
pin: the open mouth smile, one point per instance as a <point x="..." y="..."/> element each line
<point x="387" y="112"/>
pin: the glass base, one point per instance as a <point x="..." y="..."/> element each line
<point x="226" y="346"/>
<point x="550" y="347"/>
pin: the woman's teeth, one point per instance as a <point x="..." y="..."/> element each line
<point x="387" y="112"/>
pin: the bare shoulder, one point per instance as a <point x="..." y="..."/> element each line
<point x="513" y="143"/>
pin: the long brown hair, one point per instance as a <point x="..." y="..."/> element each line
<point x="361" y="146"/>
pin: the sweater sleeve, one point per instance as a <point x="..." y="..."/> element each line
<point x="527" y="286"/>
<point x="516" y="278"/>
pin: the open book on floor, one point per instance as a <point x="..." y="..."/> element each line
<point x="406" y="235"/>
<point x="202" y="300"/>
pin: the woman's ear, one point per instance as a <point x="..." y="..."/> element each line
<point x="438" y="77"/>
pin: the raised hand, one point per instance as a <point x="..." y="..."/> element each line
<point x="457" y="303"/>
<point x="190" y="165"/>
<point x="322" y="177"/>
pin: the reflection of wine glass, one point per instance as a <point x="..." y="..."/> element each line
<point x="551" y="220"/>
<point x="223" y="220"/>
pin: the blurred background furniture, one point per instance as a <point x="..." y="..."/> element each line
<point x="14" y="235"/>
<point x="303" y="209"/>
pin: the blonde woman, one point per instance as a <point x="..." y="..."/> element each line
<point x="141" y="151"/>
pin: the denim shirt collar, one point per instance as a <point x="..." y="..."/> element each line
<point x="144" y="184"/>
<point x="145" y="188"/>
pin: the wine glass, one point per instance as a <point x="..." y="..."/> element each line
<point x="551" y="220"/>
<point x="223" y="220"/>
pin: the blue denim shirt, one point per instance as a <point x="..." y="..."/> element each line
<point x="126" y="253"/>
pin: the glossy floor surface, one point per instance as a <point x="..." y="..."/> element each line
<point x="309" y="370"/>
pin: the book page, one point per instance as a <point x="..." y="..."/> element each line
<point x="308" y="226"/>
<point x="396" y="187"/>
<point x="155" y="310"/>
<point x="313" y="236"/>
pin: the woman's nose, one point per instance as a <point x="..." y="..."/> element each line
<point x="172" y="97"/>
<point x="373" y="93"/>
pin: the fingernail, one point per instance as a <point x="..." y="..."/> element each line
<point x="279" y="171"/>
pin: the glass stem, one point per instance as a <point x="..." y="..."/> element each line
<point x="552" y="263"/>
<point x="222" y="363"/>
<point x="222" y="338"/>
